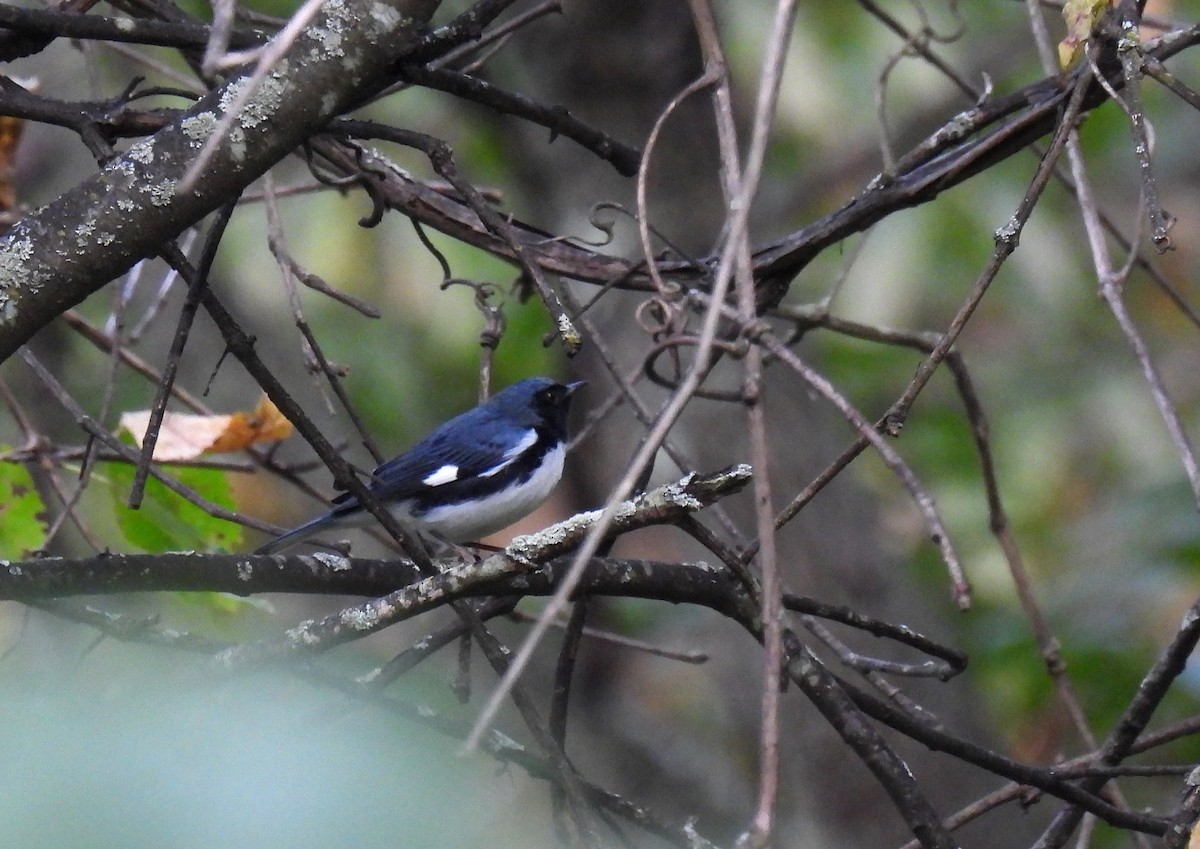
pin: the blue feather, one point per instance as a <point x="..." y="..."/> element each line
<point x="476" y="474"/>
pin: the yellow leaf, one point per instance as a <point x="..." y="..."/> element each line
<point x="184" y="436"/>
<point x="266" y="423"/>
<point x="10" y="134"/>
<point x="1081" y="17"/>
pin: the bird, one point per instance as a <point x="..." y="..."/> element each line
<point x="475" y="474"/>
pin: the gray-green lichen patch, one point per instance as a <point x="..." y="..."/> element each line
<point x="15" y="254"/>
<point x="232" y="93"/>
<point x="253" y="104"/>
<point x="124" y="166"/>
<point x="237" y="143"/>
<point x="84" y="231"/>
<point x="570" y="336"/>
<point x="199" y="127"/>
<point x="142" y="152"/>
<point x="360" y="618"/>
<point x="386" y="18"/>
<point x="162" y="193"/>
<point x="329" y="32"/>
<point x="332" y="562"/>
<point x="266" y="99"/>
<point x="301" y="635"/>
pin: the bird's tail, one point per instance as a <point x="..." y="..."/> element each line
<point x="295" y="535"/>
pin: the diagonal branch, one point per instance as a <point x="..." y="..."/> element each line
<point x="55" y="257"/>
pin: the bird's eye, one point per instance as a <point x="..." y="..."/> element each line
<point x="550" y="398"/>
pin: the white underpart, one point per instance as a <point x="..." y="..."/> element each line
<point x="462" y="522"/>
<point x="446" y="474"/>
<point x="469" y="522"/>
<point x="512" y="454"/>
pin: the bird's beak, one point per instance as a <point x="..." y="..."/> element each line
<point x="572" y="388"/>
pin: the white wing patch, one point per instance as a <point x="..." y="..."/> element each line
<point x="463" y="522"/>
<point x="510" y="456"/>
<point x="446" y="474"/>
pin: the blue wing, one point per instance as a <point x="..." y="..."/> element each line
<point x="445" y="461"/>
<point x="475" y="457"/>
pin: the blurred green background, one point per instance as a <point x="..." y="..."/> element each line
<point x="1092" y="485"/>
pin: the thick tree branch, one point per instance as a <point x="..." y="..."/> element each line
<point x="55" y="257"/>
<point x="50" y="24"/>
<point x="331" y="574"/>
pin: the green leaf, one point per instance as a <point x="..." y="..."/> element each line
<point x="21" y="531"/>
<point x="168" y="522"/>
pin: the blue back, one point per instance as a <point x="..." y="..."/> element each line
<point x="475" y="441"/>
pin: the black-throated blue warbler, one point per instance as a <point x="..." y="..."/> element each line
<point x="476" y="474"/>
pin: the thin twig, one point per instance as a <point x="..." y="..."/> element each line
<point x="291" y="271"/>
<point x="187" y="314"/>
<point x="960" y="588"/>
<point x="740" y="186"/>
